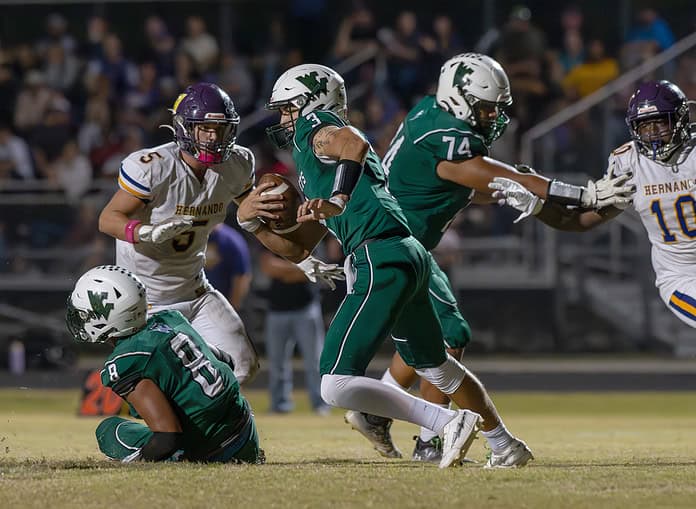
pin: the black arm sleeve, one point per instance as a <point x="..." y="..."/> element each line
<point x="161" y="446"/>
<point x="347" y="175"/>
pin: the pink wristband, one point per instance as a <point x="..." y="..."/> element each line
<point x="130" y="230"/>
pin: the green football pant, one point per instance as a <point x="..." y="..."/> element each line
<point x="118" y="437"/>
<point x="390" y="294"/>
<point x="455" y="329"/>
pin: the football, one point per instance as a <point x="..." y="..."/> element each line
<point x="290" y="195"/>
<point x="307" y="234"/>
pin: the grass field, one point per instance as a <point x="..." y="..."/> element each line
<point x="593" y="450"/>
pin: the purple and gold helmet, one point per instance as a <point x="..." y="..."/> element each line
<point x="205" y="103"/>
<point x="658" y="100"/>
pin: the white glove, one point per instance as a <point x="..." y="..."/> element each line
<point x="609" y="191"/>
<point x="514" y="194"/>
<point x="316" y="271"/>
<point x="164" y="230"/>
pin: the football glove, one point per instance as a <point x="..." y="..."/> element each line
<point x="164" y="230"/>
<point x="609" y="191"/>
<point x="514" y="194"/>
<point x="316" y="271"/>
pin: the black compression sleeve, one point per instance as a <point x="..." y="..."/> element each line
<point x="347" y="175"/>
<point x="161" y="445"/>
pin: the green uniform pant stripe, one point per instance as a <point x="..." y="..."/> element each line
<point x="357" y="314"/>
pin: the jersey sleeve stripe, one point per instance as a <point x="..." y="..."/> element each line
<point x="133" y="182"/>
<point x="683" y="304"/>
<point x="450" y="129"/>
<point x="130" y="190"/>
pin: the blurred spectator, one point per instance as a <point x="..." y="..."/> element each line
<point x="61" y="69"/>
<point x="199" y="44"/>
<point x="57" y="33"/>
<point x="33" y="102"/>
<point x="650" y="35"/>
<point x="132" y="140"/>
<point x="404" y="56"/>
<point x="97" y="29"/>
<point x="72" y="172"/>
<point x="294" y="318"/>
<point x="26" y="60"/>
<point x="573" y="50"/>
<point x="306" y="20"/>
<point x="447" y="41"/>
<point x="652" y="29"/>
<point x="48" y="139"/>
<point x="9" y="88"/>
<point x="15" y="157"/>
<point x="161" y="45"/>
<point x="185" y="70"/>
<point x="236" y="79"/>
<point x="356" y="32"/>
<point x="120" y="72"/>
<point x="521" y="49"/>
<point x="597" y="70"/>
<point x="145" y="96"/>
<point x="228" y="264"/>
<point x="94" y="129"/>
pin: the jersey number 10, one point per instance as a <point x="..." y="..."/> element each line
<point x="667" y="235"/>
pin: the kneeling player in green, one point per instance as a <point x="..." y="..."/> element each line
<point x="185" y="391"/>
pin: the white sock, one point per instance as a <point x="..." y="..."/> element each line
<point x="498" y="438"/>
<point x="387" y="378"/>
<point x="375" y="397"/>
<point x="427" y="434"/>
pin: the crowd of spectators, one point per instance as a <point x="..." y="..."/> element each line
<point x="74" y="102"/>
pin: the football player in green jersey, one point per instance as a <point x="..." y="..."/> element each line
<point x="183" y="388"/>
<point x="387" y="268"/>
<point x="437" y="163"/>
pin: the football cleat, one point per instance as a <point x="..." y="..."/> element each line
<point x="517" y="454"/>
<point x="428" y="451"/>
<point x="459" y="434"/>
<point x="376" y="430"/>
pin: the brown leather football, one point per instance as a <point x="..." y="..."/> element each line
<point x="291" y="197"/>
<point x="307" y="234"/>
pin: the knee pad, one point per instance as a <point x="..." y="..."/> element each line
<point x="447" y="377"/>
<point x="332" y="387"/>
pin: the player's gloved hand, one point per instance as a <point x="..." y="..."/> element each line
<point x="514" y="194"/>
<point x="164" y="230"/>
<point x="316" y="271"/>
<point x="609" y="191"/>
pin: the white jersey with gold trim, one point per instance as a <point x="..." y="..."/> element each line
<point x="173" y="271"/>
<point x="665" y="199"/>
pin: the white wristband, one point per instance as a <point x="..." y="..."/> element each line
<point x="251" y="225"/>
<point x="339" y="202"/>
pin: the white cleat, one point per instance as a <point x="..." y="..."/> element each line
<point x="516" y="455"/>
<point x="459" y="434"/>
<point x="376" y="430"/>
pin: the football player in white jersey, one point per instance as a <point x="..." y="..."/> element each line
<point x="169" y="199"/>
<point x="660" y="162"/>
